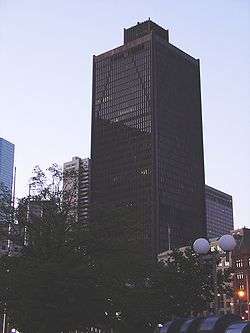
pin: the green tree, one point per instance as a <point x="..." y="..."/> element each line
<point x="44" y="287"/>
<point x="71" y="276"/>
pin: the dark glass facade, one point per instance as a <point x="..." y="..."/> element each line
<point x="146" y="147"/>
<point x="219" y="211"/>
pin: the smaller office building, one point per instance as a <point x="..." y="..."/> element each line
<point x="219" y="212"/>
<point x="79" y="186"/>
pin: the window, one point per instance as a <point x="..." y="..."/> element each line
<point x="239" y="263"/>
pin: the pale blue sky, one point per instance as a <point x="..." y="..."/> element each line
<point x="46" y="49"/>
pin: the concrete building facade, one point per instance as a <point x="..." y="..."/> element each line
<point x="77" y="181"/>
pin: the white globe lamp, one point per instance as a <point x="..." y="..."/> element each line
<point x="201" y="246"/>
<point x="227" y="243"/>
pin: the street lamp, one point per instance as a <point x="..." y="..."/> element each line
<point x="201" y="246"/>
<point x="241" y="295"/>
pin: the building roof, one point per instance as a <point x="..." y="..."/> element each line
<point x="242" y="237"/>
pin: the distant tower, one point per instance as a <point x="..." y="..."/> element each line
<point x="81" y="167"/>
<point x="219" y="211"/>
<point x="6" y="179"/>
<point x="147" y="144"/>
<point x="6" y="163"/>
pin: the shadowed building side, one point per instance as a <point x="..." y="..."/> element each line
<point x="146" y="147"/>
<point x="219" y="212"/>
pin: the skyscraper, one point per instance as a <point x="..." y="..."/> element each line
<point x="81" y="188"/>
<point x="6" y="179"/>
<point x="147" y="145"/>
<point x="219" y="211"/>
<point x="6" y="163"/>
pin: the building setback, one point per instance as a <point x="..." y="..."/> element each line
<point x="219" y="211"/>
<point x="81" y="189"/>
<point x="6" y="163"/>
<point x="147" y="145"/>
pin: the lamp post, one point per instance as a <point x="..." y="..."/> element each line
<point x="248" y="299"/>
<point x="241" y="295"/>
<point x="202" y="247"/>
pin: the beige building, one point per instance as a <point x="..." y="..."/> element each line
<point x="77" y="183"/>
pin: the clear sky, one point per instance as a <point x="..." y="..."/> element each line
<point x="46" y="49"/>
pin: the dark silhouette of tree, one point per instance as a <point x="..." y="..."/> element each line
<point x="70" y="276"/>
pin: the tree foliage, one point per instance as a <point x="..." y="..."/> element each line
<point x="71" y="276"/>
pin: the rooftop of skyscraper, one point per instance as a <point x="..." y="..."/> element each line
<point x="143" y="28"/>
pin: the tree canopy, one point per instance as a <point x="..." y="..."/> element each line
<point x="70" y="276"/>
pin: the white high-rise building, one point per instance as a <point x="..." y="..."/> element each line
<point x="80" y="167"/>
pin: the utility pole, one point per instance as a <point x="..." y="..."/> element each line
<point x="169" y="238"/>
<point x="4" y="321"/>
